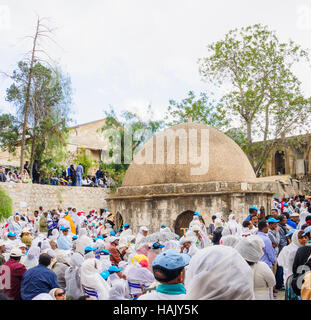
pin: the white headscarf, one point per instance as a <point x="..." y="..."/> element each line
<point x="230" y="240"/>
<point x="117" y="292"/>
<point x="219" y="273"/>
<point x="251" y="248"/>
<point x="43" y="296"/>
<point x="233" y="226"/>
<point x="91" y="279"/>
<point x="55" y="235"/>
<point x="83" y="241"/>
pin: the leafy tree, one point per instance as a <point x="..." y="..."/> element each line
<point x="5" y="205"/>
<point x="201" y="109"/>
<point x="9" y="132"/>
<point x="85" y="160"/>
<point x="263" y="91"/>
<point x="48" y="113"/>
<point x="132" y="132"/>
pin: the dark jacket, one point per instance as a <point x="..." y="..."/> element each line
<point x="2" y="177"/>
<point x="301" y="257"/>
<point x="17" y="271"/>
<point x="217" y="235"/>
<point x="38" y="280"/>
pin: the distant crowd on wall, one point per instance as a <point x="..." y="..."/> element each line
<point x="60" y="177"/>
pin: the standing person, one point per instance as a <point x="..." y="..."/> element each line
<point x="252" y="249"/>
<point x="283" y="230"/>
<point x="63" y="242"/>
<point x="211" y="227"/>
<point x="39" y="279"/>
<point x="43" y="223"/>
<point x="36" y="222"/>
<point x="79" y="173"/>
<point x="99" y="175"/>
<point x="217" y="234"/>
<point x="26" y="167"/>
<point x="35" y="172"/>
<point x="254" y="220"/>
<point x="115" y="256"/>
<point x="73" y="175"/>
<point x="15" y="272"/>
<point x="269" y="256"/>
<point x="2" y="175"/>
<point x="2" y="249"/>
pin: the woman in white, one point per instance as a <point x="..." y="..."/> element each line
<point x="287" y="255"/>
<point x="219" y="273"/>
<point x="143" y="232"/>
<point x="73" y="276"/>
<point x="92" y="280"/>
<point x="187" y="246"/>
<point x="118" y="290"/>
<point x="230" y="241"/>
<point x="83" y="241"/>
<point x="32" y="258"/>
<point x="252" y="249"/>
<point x="234" y="227"/>
<point x="14" y="225"/>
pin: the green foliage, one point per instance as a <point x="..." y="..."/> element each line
<point x="9" y="132"/>
<point x="85" y="160"/>
<point x="263" y="93"/>
<point x="5" y="205"/>
<point x="129" y="126"/>
<point x="201" y="109"/>
<point x="48" y="114"/>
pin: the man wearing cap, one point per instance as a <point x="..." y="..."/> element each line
<point x="12" y="271"/>
<point x="253" y="211"/>
<point x="273" y="234"/>
<point x="293" y="220"/>
<point x="169" y="269"/>
<point x="269" y="256"/>
<point x="11" y="242"/>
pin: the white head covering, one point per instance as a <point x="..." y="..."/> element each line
<point x="43" y="296"/>
<point x="55" y="235"/>
<point x="218" y="223"/>
<point x="219" y="273"/>
<point x="230" y="240"/>
<point x="117" y="292"/>
<point x="251" y="248"/>
<point x="76" y="260"/>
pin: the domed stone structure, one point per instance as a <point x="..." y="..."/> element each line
<point x="223" y="159"/>
<point x="186" y="168"/>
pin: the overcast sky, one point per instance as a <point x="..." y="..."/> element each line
<point x="132" y="53"/>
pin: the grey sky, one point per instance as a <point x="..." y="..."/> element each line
<point x="131" y="53"/>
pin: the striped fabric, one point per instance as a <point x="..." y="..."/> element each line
<point x="90" y="292"/>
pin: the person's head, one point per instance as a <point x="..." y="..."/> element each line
<point x="273" y="223"/>
<point x="254" y="220"/>
<point x="247" y="224"/>
<point x="16" y="254"/>
<point x="64" y="230"/>
<point x="306" y="234"/>
<point x="126" y="226"/>
<point x="144" y="231"/>
<point x="45" y="213"/>
<point x="41" y="208"/>
<point x="214" y="218"/>
<point x="253" y="210"/>
<point x="169" y="267"/>
<point x="283" y="219"/>
<point x="251" y="248"/>
<point x="263" y="226"/>
<point x="274" y="213"/>
<point x="294" y="217"/>
<point x="23" y="248"/>
<point x="2" y="246"/>
<point x="11" y="236"/>
<point x="301" y="239"/>
<point x="45" y="259"/>
<point x="209" y="275"/>
<point x="58" y="294"/>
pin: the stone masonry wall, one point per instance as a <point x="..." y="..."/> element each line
<point x="53" y="197"/>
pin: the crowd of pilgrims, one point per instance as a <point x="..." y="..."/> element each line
<point x="70" y="255"/>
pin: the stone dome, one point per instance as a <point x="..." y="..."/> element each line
<point x="199" y="154"/>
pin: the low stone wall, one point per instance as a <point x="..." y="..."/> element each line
<point x="53" y="197"/>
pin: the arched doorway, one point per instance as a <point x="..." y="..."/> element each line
<point x="118" y="221"/>
<point x="279" y="162"/>
<point x="182" y="222"/>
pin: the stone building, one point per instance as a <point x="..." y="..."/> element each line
<point x="205" y="171"/>
<point x="82" y="138"/>
<point x="290" y="158"/>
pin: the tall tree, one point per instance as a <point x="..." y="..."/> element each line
<point x="201" y="109"/>
<point x="263" y="91"/>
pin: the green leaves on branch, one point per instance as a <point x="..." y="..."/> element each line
<point x="5" y="205"/>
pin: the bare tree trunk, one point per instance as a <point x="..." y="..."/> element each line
<point x="27" y="102"/>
